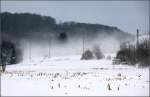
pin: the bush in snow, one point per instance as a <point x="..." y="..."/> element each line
<point x="97" y="52"/>
<point x="87" y="55"/>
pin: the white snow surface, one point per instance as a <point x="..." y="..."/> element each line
<point x="70" y="76"/>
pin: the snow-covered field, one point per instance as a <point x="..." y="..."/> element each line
<point x="66" y="76"/>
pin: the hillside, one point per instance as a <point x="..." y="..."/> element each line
<point x="27" y="25"/>
<point x="33" y="32"/>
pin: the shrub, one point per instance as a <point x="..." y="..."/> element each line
<point x="87" y="55"/>
<point x="97" y="52"/>
<point x="63" y="37"/>
<point x="108" y="57"/>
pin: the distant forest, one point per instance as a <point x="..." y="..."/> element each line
<point x="27" y="25"/>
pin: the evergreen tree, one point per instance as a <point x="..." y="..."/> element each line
<point x="9" y="54"/>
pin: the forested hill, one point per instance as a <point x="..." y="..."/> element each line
<point x="27" y="25"/>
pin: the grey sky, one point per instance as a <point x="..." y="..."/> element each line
<point x="127" y="15"/>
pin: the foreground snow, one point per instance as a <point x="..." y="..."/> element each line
<point x="71" y="76"/>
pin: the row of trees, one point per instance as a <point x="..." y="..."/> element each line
<point x="131" y="54"/>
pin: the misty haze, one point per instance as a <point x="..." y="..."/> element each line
<point x="78" y="48"/>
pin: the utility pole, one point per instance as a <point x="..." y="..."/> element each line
<point x="0" y="39"/>
<point x="29" y="51"/>
<point x="49" y="55"/>
<point x="137" y="43"/>
<point x="83" y="40"/>
<point x="149" y="29"/>
<point x="149" y="38"/>
<point x="49" y="46"/>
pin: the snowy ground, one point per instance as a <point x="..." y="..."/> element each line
<point x="71" y="76"/>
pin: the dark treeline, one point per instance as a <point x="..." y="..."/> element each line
<point x="26" y="22"/>
<point x="26" y="25"/>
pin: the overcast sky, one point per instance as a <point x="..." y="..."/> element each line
<point x="126" y="15"/>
